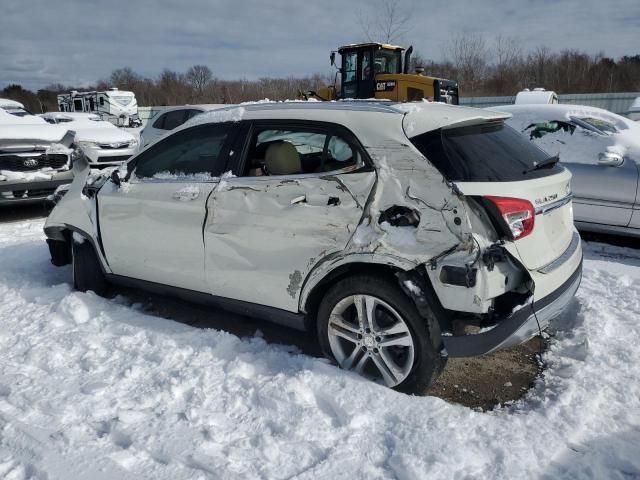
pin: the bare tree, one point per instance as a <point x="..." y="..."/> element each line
<point x="468" y="52"/>
<point x="124" y="78"/>
<point x="507" y="72"/>
<point x="198" y="77"/>
<point x="388" y="23"/>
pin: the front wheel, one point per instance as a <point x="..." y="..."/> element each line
<point x="368" y="325"/>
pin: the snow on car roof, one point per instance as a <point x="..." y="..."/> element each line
<point x="5" y="102"/>
<point x="419" y="116"/>
<point x="9" y="119"/>
<point x="73" y="116"/>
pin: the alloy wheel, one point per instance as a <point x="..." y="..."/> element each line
<point x="368" y="336"/>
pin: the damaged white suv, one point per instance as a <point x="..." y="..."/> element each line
<point x="400" y="234"/>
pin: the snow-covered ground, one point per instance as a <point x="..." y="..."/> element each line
<point x="96" y="389"/>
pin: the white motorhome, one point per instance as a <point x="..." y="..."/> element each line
<point x="634" y="110"/>
<point x="116" y="106"/>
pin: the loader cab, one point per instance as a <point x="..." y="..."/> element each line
<point x="362" y="62"/>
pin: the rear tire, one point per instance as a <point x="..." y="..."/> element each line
<point x="366" y="323"/>
<point x="87" y="272"/>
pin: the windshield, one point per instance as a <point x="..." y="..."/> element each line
<point x="17" y="111"/>
<point x="491" y="152"/>
<point x="386" y="61"/>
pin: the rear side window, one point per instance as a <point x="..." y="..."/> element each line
<point x="299" y="151"/>
<point x="483" y="153"/>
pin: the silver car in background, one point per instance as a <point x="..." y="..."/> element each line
<point x="602" y="151"/>
<point x="170" y="119"/>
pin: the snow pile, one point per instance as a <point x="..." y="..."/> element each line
<point x="96" y="388"/>
<point x="180" y="176"/>
<point x="231" y="114"/>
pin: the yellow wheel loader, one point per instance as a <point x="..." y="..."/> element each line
<point x="377" y="70"/>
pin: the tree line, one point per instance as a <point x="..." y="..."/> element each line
<point x="500" y="67"/>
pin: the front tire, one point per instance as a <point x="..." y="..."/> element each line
<point x="368" y="325"/>
<point x="87" y="272"/>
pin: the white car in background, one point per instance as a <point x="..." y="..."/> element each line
<point x="103" y="143"/>
<point x="170" y="119"/>
<point x="601" y="149"/>
<point x="14" y="108"/>
<point x="35" y="158"/>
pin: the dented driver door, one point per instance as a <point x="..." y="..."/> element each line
<point x="266" y="233"/>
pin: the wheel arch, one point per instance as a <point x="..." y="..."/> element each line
<point x="324" y="275"/>
<point x="64" y="233"/>
<point x="397" y="270"/>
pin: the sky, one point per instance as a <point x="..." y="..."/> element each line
<point x="81" y="41"/>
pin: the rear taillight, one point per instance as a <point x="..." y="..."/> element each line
<point x="518" y="214"/>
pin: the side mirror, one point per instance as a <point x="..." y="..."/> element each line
<point x="332" y="57"/>
<point x="115" y="178"/>
<point x="610" y="159"/>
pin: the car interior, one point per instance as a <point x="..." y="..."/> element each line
<point x="287" y="152"/>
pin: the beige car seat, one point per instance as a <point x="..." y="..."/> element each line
<point x="282" y="158"/>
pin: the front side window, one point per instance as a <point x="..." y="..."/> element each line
<point x="196" y="151"/>
<point x="491" y="152"/>
<point x="297" y="152"/>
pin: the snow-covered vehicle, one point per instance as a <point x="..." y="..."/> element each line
<point x="378" y="226"/>
<point x="103" y="143"/>
<point x="119" y="107"/>
<point x="35" y="158"/>
<point x="601" y="149"/>
<point x="13" y="107"/>
<point x="170" y="119"/>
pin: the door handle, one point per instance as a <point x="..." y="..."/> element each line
<point x="186" y="194"/>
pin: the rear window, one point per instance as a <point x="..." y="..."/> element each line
<point x="483" y="153"/>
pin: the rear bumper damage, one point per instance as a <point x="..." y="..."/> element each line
<point x="520" y="325"/>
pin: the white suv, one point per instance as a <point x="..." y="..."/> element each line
<point x="401" y="234"/>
